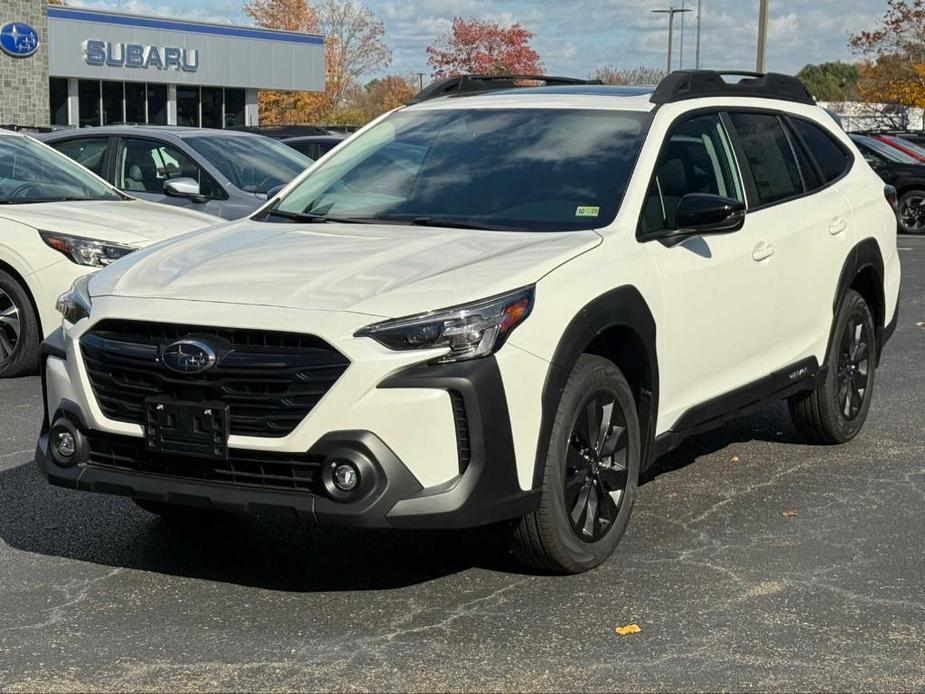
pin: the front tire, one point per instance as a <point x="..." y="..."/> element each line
<point x="591" y="474"/>
<point x="835" y="412"/>
<point x="19" y="330"/>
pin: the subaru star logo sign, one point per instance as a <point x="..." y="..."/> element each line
<point x="188" y="357"/>
<point x="18" y="39"/>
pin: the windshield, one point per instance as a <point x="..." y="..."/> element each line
<point x="253" y="164"/>
<point x="33" y="172"/>
<point x="886" y="151"/>
<point x="507" y="169"/>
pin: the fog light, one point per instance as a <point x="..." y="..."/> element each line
<point x="346" y="477"/>
<point x="65" y="445"/>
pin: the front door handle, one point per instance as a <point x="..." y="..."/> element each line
<point x="763" y="251"/>
<point x="838" y="226"/>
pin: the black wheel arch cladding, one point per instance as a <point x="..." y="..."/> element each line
<point x="863" y="271"/>
<point x="621" y="313"/>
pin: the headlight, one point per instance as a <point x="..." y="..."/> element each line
<point x="83" y="251"/>
<point x="75" y="303"/>
<point x="470" y="331"/>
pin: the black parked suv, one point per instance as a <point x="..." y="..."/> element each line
<point x="903" y="172"/>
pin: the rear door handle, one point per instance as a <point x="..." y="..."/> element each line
<point x="763" y="251"/>
<point x="837" y="226"/>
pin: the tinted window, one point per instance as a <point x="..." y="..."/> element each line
<point x="769" y="156"/>
<point x="57" y="98"/>
<point x="696" y="159"/>
<point x="521" y="169"/>
<point x="143" y="166"/>
<point x="32" y="172"/>
<point x="88" y="152"/>
<point x="254" y="164"/>
<point x="830" y="156"/>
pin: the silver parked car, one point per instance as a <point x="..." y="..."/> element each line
<point x="221" y="172"/>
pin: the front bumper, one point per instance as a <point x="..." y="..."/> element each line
<point x="485" y="491"/>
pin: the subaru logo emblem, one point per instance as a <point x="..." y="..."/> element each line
<point x="18" y="39"/>
<point x="188" y="357"/>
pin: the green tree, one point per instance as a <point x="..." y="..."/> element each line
<point x="832" y="81"/>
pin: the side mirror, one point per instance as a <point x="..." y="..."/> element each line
<point x="183" y="188"/>
<point x="700" y="214"/>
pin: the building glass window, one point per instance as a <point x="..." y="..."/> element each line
<point x="135" y="102"/>
<point x="57" y="96"/>
<point x="188" y="106"/>
<point x="112" y="103"/>
<point x="88" y="96"/>
<point x="234" y="107"/>
<point x="212" y="107"/>
<point x="157" y="104"/>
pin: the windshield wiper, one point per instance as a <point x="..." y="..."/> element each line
<point x="452" y="223"/>
<point x="311" y="218"/>
<point x="34" y="201"/>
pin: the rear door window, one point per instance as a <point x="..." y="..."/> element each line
<point x="770" y="156"/>
<point x="89" y="152"/>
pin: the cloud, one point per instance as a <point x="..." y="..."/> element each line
<point x="576" y="36"/>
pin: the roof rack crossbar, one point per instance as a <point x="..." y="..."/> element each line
<point x="462" y="85"/>
<point x="697" y="84"/>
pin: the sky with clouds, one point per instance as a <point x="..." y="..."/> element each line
<point x="575" y="36"/>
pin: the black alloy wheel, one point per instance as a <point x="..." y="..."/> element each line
<point x="853" y="367"/>
<point x="596" y="467"/>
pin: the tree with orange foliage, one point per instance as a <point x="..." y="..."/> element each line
<point x="353" y="46"/>
<point x="473" y="46"/>
<point x="384" y="94"/>
<point x="894" y="53"/>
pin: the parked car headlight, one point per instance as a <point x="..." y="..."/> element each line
<point x="470" y="331"/>
<point x="75" y="304"/>
<point x="82" y="251"/>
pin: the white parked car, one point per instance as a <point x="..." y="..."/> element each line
<point x="59" y="222"/>
<point x="490" y="307"/>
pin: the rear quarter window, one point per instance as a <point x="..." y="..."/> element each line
<point x="831" y="157"/>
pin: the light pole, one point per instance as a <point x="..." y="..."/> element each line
<point x="697" y="59"/>
<point x="421" y="80"/>
<point x="671" y="12"/>
<point x="762" y="35"/>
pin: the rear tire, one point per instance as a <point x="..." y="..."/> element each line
<point x="19" y="330"/>
<point x="911" y="212"/>
<point x="836" y="411"/>
<point x="591" y="474"/>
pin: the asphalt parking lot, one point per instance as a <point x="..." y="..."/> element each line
<point x="752" y="562"/>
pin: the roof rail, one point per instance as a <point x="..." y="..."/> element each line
<point x="462" y="85"/>
<point x="697" y="84"/>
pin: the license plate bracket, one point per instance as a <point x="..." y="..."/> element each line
<point x="187" y="428"/>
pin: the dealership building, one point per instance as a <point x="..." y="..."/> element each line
<point x="62" y="65"/>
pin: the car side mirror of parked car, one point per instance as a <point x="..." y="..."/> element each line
<point x="700" y="214"/>
<point x="183" y="188"/>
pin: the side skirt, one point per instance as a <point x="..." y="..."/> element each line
<point x="803" y="376"/>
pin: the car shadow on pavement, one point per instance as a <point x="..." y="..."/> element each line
<point x="280" y="554"/>
<point x="269" y="553"/>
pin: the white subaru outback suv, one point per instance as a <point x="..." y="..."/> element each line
<point x="498" y="304"/>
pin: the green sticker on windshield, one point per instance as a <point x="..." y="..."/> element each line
<point x="587" y="211"/>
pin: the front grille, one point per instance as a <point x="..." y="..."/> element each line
<point x="270" y="380"/>
<point x="279" y="471"/>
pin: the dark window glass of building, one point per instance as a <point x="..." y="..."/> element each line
<point x="135" y="102"/>
<point x="57" y="97"/>
<point x="212" y="107"/>
<point x="234" y="107"/>
<point x="88" y="97"/>
<point x="157" y="104"/>
<point x="188" y="106"/>
<point x="112" y="103"/>
<point x="89" y="152"/>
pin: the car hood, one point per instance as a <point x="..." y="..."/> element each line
<point x="380" y="270"/>
<point x="133" y="222"/>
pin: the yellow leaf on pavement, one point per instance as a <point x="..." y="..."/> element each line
<point x="628" y="629"/>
